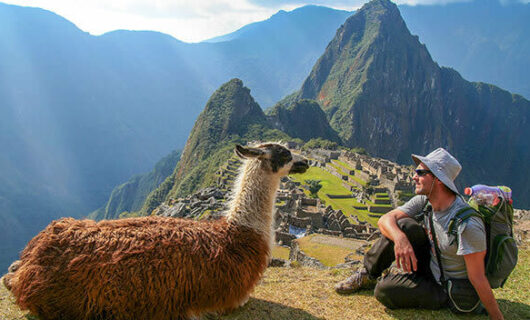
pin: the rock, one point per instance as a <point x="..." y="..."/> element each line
<point x="195" y="204"/>
<point x="297" y="255"/>
<point x="277" y="262"/>
<point x="334" y="225"/>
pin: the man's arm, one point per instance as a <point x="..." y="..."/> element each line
<point x="477" y="275"/>
<point x="405" y="257"/>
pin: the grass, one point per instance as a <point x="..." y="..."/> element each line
<point x="338" y="168"/>
<point x="333" y="185"/>
<point x="307" y="294"/>
<point x="329" y="250"/>
<point x="343" y="164"/>
<point x="280" y="252"/>
<point x="339" y="165"/>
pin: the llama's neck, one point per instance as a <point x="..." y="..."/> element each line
<point x="253" y="199"/>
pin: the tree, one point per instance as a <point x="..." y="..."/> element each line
<point x="314" y="187"/>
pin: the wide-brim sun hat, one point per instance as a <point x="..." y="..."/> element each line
<point x="442" y="165"/>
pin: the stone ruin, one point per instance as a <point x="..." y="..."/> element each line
<point x="195" y="206"/>
<point x="310" y="215"/>
<point x="380" y="175"/>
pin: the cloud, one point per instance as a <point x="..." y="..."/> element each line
<point x="327" y="3"/>
<point x="187" y="20"/>
<point x="353" y="4"/>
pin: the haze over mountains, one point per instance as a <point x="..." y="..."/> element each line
<point x="484" y="40"/>
<point x="81" y="114"/>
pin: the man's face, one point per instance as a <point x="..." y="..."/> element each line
<point x="424" y="180"/>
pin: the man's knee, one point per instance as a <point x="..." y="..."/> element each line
<point x="384" y="293"/>
<point x="412" y="229"/>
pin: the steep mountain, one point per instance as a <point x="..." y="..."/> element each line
<point x="382" y="91"/>
<point x="130" y="196"/>
<point x="302" y="119"/>
<point x="231" y="116"/>
<point x="485" y="40"/>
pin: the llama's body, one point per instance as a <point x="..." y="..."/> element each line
<point x="151" y="267"/>
<point x="139" y="268"/>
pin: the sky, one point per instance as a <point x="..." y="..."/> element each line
<point x="186" y="20"/>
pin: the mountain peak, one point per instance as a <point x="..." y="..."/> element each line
<point x="230" y="114"/>
<point x="374" y="38"/>
<point x="230" y="110"/>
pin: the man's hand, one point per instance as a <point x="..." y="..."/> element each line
<point x="405" y="257"/>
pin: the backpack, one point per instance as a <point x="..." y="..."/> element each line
<point x="501" y="255"/>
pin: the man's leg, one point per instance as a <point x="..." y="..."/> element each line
<point x="412" y="290"/>
<point x="381" y="256"/>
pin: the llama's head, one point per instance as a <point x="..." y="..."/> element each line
<point x="274" y="158"/>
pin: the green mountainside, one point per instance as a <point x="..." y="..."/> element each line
<point x="130" y="196"/>
<point x="382" y="91"/>
<point x="231" y="116"/>
<point x="303" y="119"/>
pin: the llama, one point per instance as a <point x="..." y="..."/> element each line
<point x="156" y="267"/>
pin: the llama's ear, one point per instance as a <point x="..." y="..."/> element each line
<point x="243" y="152"/>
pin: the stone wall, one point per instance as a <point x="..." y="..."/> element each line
<point x="315" y="217"/>
<point x="297" y="255"/>
<point x="284" y="238"/>
<point x="299" y="222"/>
<point x="339" y="196"/>
<point x="381" y="201"/>
<point x="379" y="209"/>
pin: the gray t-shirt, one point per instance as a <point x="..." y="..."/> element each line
<point x="471" y="237"/>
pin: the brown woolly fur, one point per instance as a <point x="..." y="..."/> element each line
<point x="154" y="267"/>
<point x="138" y="268"/>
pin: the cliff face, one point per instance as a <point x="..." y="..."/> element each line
<point x="302" y="119"/>
<point x="382" y="91"/>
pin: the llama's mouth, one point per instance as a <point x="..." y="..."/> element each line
<point x="299" y="167"/>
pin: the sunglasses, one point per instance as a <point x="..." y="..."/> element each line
<point x="422" y="172"/>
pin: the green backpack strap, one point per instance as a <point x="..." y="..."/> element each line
<point x="461" y="216"/>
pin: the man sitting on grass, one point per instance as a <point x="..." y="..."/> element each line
<point x="460" y="282"/>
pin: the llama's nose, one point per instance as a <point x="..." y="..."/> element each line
<point x="300" y="166"/>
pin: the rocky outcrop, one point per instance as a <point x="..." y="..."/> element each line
<point x="302" y="119"/>
<point x="194" y="206"/>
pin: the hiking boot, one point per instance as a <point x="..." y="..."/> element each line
<point x="358" y="281"/>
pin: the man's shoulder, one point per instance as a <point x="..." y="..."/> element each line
<point x="414" y="206"/>
<point x="459" y="205"/>
<point x="419" y="198"/>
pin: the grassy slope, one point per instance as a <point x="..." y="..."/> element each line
<point x="333" y="185"/>
<point x="307" y="294"/>
<point x="329" y="250"/>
